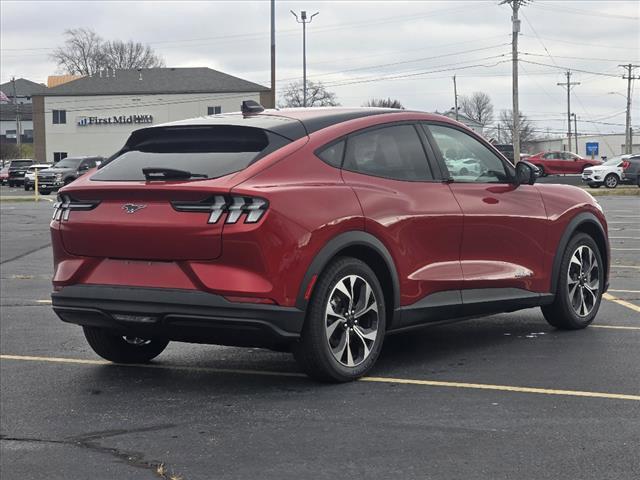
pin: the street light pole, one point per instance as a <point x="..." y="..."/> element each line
<point x="303" y="20"/>
<point x="455" y="96"/>
<point x="273" y="54"/>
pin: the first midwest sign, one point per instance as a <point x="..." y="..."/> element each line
<point x="114" y="120"/>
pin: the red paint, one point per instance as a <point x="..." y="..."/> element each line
<point x="441" y="236"/>
<point x="561" y="162"/>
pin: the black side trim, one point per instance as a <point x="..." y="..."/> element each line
<point x="342" y="241"/>
<point x="183" y="315"/>
<point x="451" y="305"/>
<point x="570" y="230"/>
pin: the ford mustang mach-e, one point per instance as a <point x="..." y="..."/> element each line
<point x="319" y="231"/>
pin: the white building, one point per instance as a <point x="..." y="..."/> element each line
<point x="95" y="115"/>
<point x="608" y="145"/>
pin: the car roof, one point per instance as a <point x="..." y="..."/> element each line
<point x="292" y="123"/>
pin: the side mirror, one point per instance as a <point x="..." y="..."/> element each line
<point x="526" y="173"/>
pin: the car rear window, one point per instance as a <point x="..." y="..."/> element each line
<point x="205" y="151"/>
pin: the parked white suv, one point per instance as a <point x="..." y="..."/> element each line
<point x="30" y="175"/>
<point x="609" y="174"/>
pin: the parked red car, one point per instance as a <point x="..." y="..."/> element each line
<point x="551" y="163"/>
<point x="4" y="175"/>
<point x="318" y="231"/>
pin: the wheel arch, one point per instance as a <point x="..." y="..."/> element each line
<point x="588" y="223"/>
<point x="367" y="248"/>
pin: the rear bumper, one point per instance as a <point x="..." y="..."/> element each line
<point x="181" y="315"/>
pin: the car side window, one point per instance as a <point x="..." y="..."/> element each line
<point x="466" y="158"/>
<point x="394" y="152"/>
<point x="332" y="154"/>
<point x="549" y="156"/>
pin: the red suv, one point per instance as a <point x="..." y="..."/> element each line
<point x="318" y="231"/>
<point x="551" y="163"/>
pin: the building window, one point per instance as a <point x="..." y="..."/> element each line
<point x="214" y="110"/>
<point x="10" y="134"/>
<point x="59" y="116"/>
<point x="57" y="156"/>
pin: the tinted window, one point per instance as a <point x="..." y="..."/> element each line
<point x="207" y="151"/>
<point x="466" y="158"/>
<point x="391" y="152"/>
<point x="332" y="154"/>
<point x="57" y="156"/>
<point x="59" y="116"/>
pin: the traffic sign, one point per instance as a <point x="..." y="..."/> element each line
<point x="592" y="148"/>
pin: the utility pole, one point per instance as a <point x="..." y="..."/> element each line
<point x="455" y="96"/>
<point x="628" y="145"/>
<point x="575" y="131"/>
<point x="515" y="23"/>
<point x="569" y="84"/>
<point x="303" y="20"/>
<point x="15" y="103"/>
<point x="273" y="53"/>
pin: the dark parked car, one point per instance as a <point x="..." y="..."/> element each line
<point x="64" y="172"/>
<point x="17" y="169"/>
<point x="631" y="173"/>
<point x="318" y="231"/>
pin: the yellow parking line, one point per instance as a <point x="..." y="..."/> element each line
<point x="637" y="267"/>
<point x="624" y="291"/>
<point x="43" y="301"/>
<point x="615" y="327"/>
<point x="619" y="301"/>
<point x="405" y="381"/>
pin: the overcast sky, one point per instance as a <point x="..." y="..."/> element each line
<point x="363" y="49"/>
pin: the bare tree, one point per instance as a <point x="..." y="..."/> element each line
<point x="477" y="107"/>
<point x="317" y="96"/>
<point x="384" y="103"/>
<point x="84" y="53"/>
<point x="505" y="124"/>
<point x="126" y="55"/>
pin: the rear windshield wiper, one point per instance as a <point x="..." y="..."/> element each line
<point x="161" y="173"/>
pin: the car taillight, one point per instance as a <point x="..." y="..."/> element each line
<point x="625" y="165"/>
<point x="65" y="204"/>
<point x="235" y="206"/>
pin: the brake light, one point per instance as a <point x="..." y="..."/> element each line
<point x="625" y="165"/>
<point x="252" y="207"/>
<point x="65" y="204"/>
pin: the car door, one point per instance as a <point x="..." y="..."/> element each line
<point x="411" y="210"/>
<point x="554" y="162"/>
<point x="503" y="240"/>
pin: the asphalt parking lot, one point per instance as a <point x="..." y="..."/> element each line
<point x="496" y="398"/>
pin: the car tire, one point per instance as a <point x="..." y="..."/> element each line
<point x="611" y="180"/>
<point x="11" y="184"/>
<point x="121" y="349"/>
<point x="578" y="294"/>
<point x="594" y="185"/>
<point x="345" y="325"/>
<point x="44" y="192"/>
